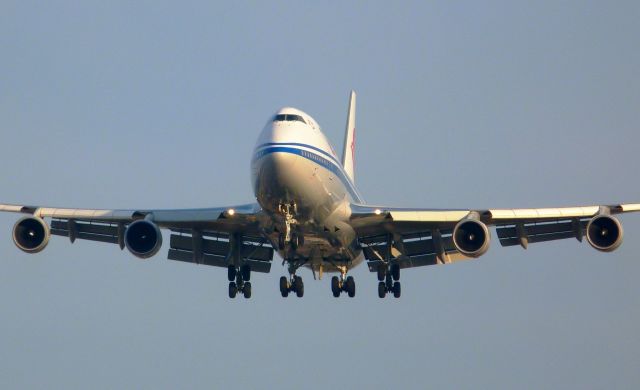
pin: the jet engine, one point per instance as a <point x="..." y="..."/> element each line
<point x="604" y="233"/>
<point x="31" y="234"/>
<point x="471" y="237"/>
<point x="143" y="239"/>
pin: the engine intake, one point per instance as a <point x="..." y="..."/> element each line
<point x="604" y="233"/>
<point x="143" y="239"/>
<point x="31" y="234"/>
<point x="471" y="237"/>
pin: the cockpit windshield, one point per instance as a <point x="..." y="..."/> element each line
<point x="288" y="118"/>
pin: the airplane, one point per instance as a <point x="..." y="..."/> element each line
<point x="310" y="212"/>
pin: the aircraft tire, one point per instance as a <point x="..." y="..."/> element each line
<point x="246" y="290"/>
<point x="245" y="270"/>
<point x="233" y="290"/>
<point x="382" y="289"/>
<point x="335" y="286"/>
<point x="231" y="273"/>
<point x="382" y="272"/>
<point x="395" y="272"/>
<point x="396" y="290"/>
<point x="350" y="286"/>
<point x="284" y="286"/>
<point x="299" y="286"/>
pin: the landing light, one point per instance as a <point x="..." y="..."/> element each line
<point x="378" y="211"/>
<point x="231" y="211"/>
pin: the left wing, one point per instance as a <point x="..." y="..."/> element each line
<point x="417" y="237"/>
<point x="218" y="236"/>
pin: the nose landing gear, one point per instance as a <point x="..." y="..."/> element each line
<point x="289" y="237"/>
<point x="295" y="240"/>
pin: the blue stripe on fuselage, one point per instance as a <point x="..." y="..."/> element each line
<point x="318" y="159"/>
<point x="317" y="149"/>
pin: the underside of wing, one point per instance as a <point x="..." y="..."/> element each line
<point x="410" y="250"/>
<point x="221" y="249"/>
<point x="220" y="236"/>
<point x="417" y="237"/>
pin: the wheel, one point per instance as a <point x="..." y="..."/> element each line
<point x="335" y="286"/>
<point x="245" y="270"/>
<point x="231" y="273"/>
<point x="350" y="286"/>
<point x="297" y="240"/>
<point x="246" y="290"/>
<point x="284" y="286"/>
<point x="298" y="286"/>
<point x="395" y="271"/>
<point x="233" y="290"/>
<point x="281" y="242"/>
<point x="382" y="272"/>
<point x="396" y="290"/>
<point x="382" y="290"/>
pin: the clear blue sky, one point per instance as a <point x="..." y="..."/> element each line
<point x="461" y="104"/>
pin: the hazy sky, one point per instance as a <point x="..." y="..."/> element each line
<point x="460" y="104"/>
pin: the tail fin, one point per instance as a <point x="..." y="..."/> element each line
<point x="349" y="150"/>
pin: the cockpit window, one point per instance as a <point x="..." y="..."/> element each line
<point x="288" y="118"/>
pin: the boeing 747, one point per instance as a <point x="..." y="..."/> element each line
<point x="310" y="212"/>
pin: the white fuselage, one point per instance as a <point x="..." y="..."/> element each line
<point x="295" y="168"/>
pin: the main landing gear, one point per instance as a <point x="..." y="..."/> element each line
<point x="340" y="284"/>
<point x="388" y="280"/>
<point x="294" y="284"/>
<point x="239" y="281"/>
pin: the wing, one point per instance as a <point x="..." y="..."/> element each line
<point x="218" y="236"/>
<point x="418" y="237"/>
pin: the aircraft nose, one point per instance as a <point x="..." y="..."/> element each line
<point x="282" y="162"/>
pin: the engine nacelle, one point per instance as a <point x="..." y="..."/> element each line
<point x="31" y="234"/>
<point x="143" y="239"/>
<point x="604" y="233"/>
<point x="471" y="237"/>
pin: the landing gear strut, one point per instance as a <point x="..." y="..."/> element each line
<point x="239" y="281"/>
<point x="388" y="278"/>
<point x="340" y="284"/>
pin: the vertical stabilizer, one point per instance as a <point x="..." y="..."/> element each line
<point x="349" y="150"/>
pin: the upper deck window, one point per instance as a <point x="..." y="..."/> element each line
<point x="288" y="118"/>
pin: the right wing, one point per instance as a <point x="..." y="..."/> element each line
<point x="418" y="237"/>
